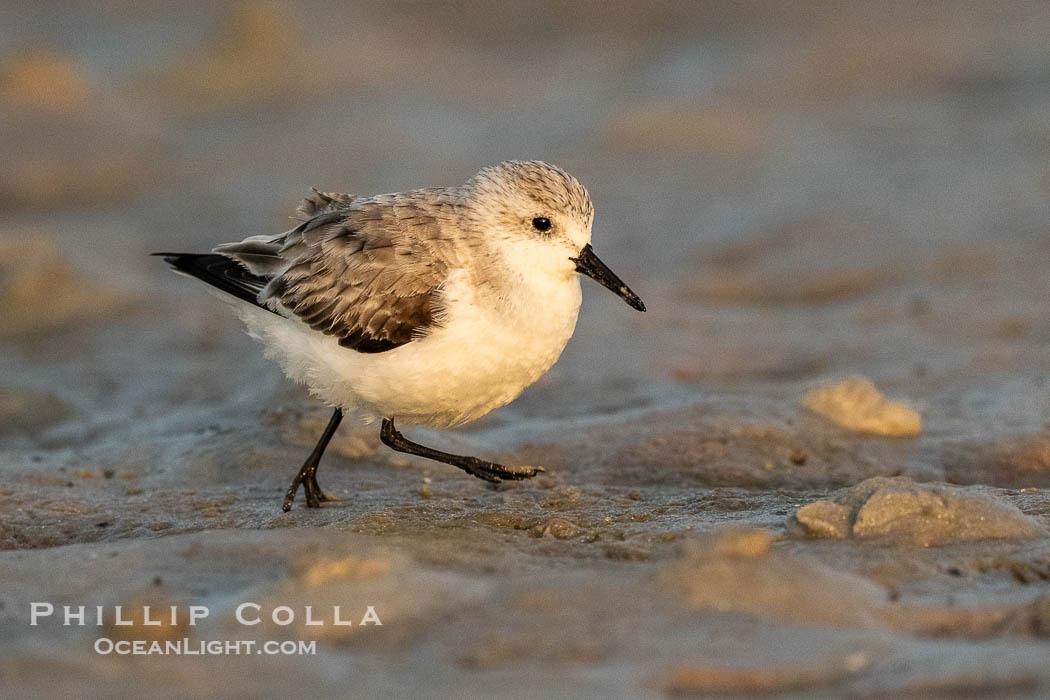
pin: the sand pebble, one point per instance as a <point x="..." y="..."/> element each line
<point x="856" y="404"/>
<point x="900" y="510"/>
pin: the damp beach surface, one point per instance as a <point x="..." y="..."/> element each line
<point x="819" y="465"/>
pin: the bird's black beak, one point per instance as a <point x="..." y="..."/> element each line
<point x="591" y="265"/>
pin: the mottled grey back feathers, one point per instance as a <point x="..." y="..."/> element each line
<point x="368" y="270"/>
<point x="362" y="269"/>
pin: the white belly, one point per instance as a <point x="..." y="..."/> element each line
<point x="479" y="359"/>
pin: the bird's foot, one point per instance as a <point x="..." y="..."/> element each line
<point x="306" y="477"/>
<point x="494" y="473"/>
<point x="311" y="486"/>
<point x="314" y="495"/>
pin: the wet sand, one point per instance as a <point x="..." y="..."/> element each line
<point x="818" y="466"/>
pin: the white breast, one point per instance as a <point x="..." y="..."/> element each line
<point x="482" y="356"/>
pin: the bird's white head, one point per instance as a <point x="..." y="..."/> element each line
<point x="540" y="217"/>
<point x="542" y="213"/>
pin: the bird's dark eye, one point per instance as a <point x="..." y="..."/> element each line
<point x="541" y="223"/>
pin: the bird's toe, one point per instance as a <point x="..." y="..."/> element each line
<point x="518" y="473"/>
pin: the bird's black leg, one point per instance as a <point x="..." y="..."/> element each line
<point x="489" y="471"/>
<point x="307" y="476"/>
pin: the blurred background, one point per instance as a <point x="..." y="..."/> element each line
<point x="800" y="192"/>
<point x="755" y="165"/>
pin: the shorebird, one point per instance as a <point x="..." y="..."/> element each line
<point x="431" y="307"/>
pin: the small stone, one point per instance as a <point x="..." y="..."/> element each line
<point x="898" y="509"/>
<point x="823" y="519"/>
<point x="562" y="529"/>
<point x="856" y="404"/>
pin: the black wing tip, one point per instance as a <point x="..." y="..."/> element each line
<point x="220" y="272"/>
<point x="175" y="259"/>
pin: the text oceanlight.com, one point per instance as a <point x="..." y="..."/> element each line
<point x="188" y="647"/>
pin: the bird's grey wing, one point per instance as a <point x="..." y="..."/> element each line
<point x="261" y="255"/>
<point x="366" y="273"/>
